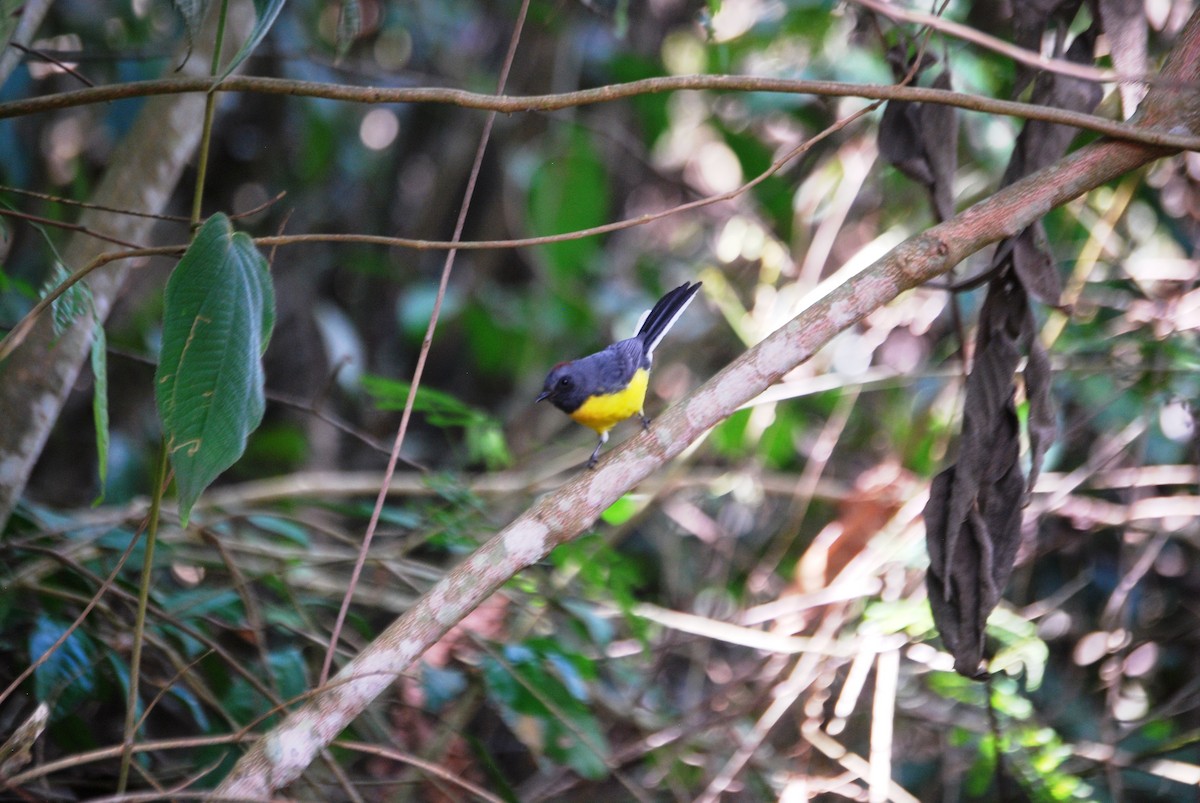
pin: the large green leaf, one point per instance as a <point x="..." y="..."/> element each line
<point x="218" y="316"/>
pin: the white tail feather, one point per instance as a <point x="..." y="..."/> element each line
<point x="650" y="345"/>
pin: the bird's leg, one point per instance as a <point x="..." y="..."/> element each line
<point x="645" y="419"/>
<point x="595" y="458"/>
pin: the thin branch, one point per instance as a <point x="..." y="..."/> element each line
<point x="426" y="344"/>
<point x="56" y="199"/>
<point x="19" y="332"/>
<point x="1122" y="130"/>
<point x="506" y="104"/>
<point x="425" y="766"/>
<point x="49" y="768"/>
<point x="975" y="36"/>
<point x="75" y="227"/>
<point x="62" y="65"/>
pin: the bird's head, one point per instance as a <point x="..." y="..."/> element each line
<point x="564" y="387"/>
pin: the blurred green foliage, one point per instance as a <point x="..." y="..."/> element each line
<point x="568" y="688"/>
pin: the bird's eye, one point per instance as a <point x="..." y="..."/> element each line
<point x="565" y="382"/>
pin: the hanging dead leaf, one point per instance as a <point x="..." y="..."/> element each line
<point x="921" y="139"/>
<point x="1040" y="143"/>
<point x="973" y="516"/>
<point x="1031" y="19"/>
<point x="1030" y="258"/>
<point x="965" y="584"/>
<point x="1128" y="35"/>
<point x="1042" y="421"/>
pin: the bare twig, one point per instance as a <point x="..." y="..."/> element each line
<point x="62" y="65"/>
<point x="447" y="268"/>
<point x="57" y="199"/>
<point x="44" y="221"/>
<point x="987" y="41"/>
<point x="530" y="103"/>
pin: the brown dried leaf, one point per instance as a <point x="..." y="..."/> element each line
<point x="939" y="130"/>
<point x="965" y="587"/>
<point x="972" y="519"/>
<point x="1031" y="19"/>
<point x="1040" y="143"/>
<point x="973" y="516"/>
<point x="1125" y="25"/>
<point x="900" y="141"/>
<point x="1035" y="268"/>
<point x="921" y="141"/>
<point x="1042" y="422"/>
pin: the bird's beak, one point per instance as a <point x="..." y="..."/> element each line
<point x="545" y="394"/>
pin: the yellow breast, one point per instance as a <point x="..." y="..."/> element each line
<point x="602" y="413"/>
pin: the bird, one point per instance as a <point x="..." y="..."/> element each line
<point x="603" y="389"/>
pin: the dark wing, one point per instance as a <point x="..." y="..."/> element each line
<point x="615" y="366"/>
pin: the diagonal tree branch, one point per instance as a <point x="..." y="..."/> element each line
<point x="283" y="753"/>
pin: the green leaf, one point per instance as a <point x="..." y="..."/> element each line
<point x="566" y="730"/>
<point x="218" y="315"/>
<point x="75" y="302"/>
<point x="100" y="404"/>
<point x="9" y="17"/>
<point x="621" y="510"/>
<point x="349" y="26"/>
<point x="442" y="409"/>
<point x="287" y="667"/>
<point x="289" y="530"/>
<point x="266" y="11"/>
<point x="193" y="12"/>
<point x="983" y="769"/>
<point x="484" y="434"/>
<point x="729" y="438"/>
<point x="67" y="678"/>
<point x="193" y="705"/>
<point x="569" y="191"/>
<point x="202" y="602"/>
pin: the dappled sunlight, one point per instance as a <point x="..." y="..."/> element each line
<point x="379" y="129"/>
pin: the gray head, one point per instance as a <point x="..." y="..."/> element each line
<point x="566" y="386"/>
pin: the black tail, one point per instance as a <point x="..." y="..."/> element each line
<point x="664" y="314"/>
